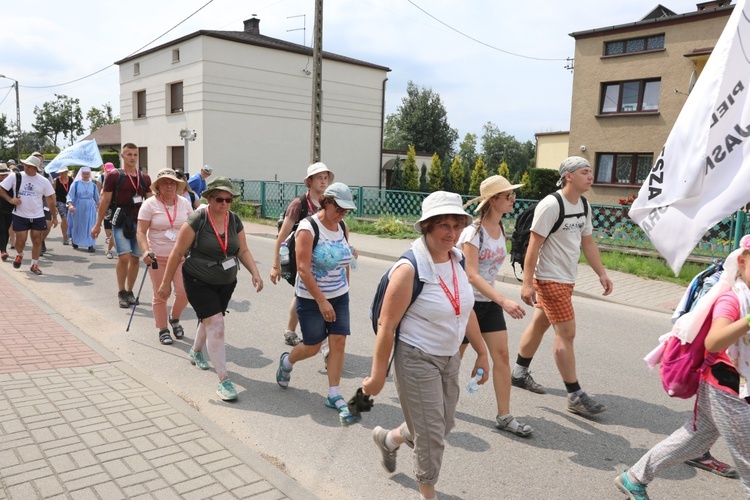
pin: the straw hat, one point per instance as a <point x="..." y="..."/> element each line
<point x="441" y="203"/>
<point x="166" y="173"/>
<point x="491" y="186"/>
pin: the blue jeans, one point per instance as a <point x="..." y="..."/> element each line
<point x="314" y="328"/>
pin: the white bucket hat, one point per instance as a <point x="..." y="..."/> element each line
<point x="34" y="162"/>
<point x="317" y="168"/>
<point x="441" y="203"/>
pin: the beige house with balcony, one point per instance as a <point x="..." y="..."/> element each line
<point x="248" y="97"/>
<point x="630" y="83"/>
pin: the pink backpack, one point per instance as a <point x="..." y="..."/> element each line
<point x="683" y="364"/>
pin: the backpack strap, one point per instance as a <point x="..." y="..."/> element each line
<point x="201" y="224"/>
<point x="562" y="214"/>
<point x="304" y="209"/>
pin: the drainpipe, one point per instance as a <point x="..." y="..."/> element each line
<point x="382" y="133"/>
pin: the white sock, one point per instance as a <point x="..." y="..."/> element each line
<point x="574" y="395"/>
<point x="286" y="363"/>
<point x="513" y="424"/>
<point x="34" y="262"/>
<point x="390" y="443"/>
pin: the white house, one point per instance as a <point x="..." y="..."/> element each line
<point x="248" y="99"/>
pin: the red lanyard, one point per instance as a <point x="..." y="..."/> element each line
<point x="222" y="244"/>
<point x="310" y="206"/>
<point x="65" y="186"/>
<point x="137" y="186"/>
<point x="166" y="209"/>
<point x="454" y="299"/>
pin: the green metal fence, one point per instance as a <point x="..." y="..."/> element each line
<point x="612" y="226"/>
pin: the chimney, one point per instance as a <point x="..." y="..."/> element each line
<point x="252" y="25"/>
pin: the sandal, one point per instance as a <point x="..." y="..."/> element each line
<point x="522" y="430"/>
<point x="345" y="416"/>
<point x="177" y="329"/>
<point x="709" y="463"/>
<point x="164" y="337"/>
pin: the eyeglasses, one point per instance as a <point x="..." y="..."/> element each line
<point x="339" y="209"/>
<point x="510" y="196"/>
<point x="223" y="200"/>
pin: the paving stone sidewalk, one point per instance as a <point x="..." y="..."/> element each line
<point x="76" y="422"/>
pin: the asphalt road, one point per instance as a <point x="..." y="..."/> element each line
<point x="567" y="456"/>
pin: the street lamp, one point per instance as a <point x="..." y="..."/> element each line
<point x="187" y="135"/>
<point x="18" y="117"/>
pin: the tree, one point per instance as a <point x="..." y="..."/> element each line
<point x="457" y="176"/>
<point x="498" y="146"/>
<point x="526" y="189"/>
<point x="504" y="170"/>
<point x="393" y="137"/>
<point x="410" y="172"/>
<point x="477" y="176"/>
<point x="61" y="116"/>
<point x="436" y="175"/>
<point x="423" y="179"/>
<point x="99" y="117"/>
<point x="397" y="180"/>
<point x="35" y="141"/>
<point x="421" y="121"/>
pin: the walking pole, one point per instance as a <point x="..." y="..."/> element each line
<point x="154" y="265"/>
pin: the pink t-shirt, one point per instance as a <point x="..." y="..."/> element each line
<point x="726" y="306"/>
<point x="155" y="211"/>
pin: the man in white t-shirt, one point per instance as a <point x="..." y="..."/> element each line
<point x="550" y="269"/>
<point x="29" y="212"/>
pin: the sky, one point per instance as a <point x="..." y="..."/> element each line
<point x="56" y="42"/>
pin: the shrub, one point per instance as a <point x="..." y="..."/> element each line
<point x="111" y="156"/>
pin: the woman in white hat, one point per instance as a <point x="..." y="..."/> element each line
<point x="82" y="202"/>
<point x="159" y="221"/>
<point x="483" y="244"/>
<point x="426" y="361"/>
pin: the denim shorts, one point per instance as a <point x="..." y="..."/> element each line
<point x="124" y="245"/>
<point x="314" y="328"/>
<point x="62" y="210"/>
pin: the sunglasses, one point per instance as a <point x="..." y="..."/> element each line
<point x="219" y="199"/>
<point x="339" y="209"/>
<point x="509" y="196"/>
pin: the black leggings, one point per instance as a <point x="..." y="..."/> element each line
<point x="6" y="222"/>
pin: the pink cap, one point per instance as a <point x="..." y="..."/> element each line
<point x="109" y="166"/>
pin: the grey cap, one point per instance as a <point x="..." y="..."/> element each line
<point x="341" y="194"/>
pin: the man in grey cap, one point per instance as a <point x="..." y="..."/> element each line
<point x="197" y="182"/>
<point x="549" y="276"/>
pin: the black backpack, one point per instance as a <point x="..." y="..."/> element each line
<point x="291" y="244"/>
<point x="377" y="301"/>
<point x="304" y="211"/>
<point x="519" y="242"/>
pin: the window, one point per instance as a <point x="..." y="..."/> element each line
<point x="140" y="104"/>
<point x="630" y="97"/>
<point x="623" y="168"/>
<point x="175" y="97"/>
<point x="178" y="158"/>
<point x="175" y="55"/>
<point x="143" y="159"/>
<point x="136" y="69"/>
<point x="634" y="45"/>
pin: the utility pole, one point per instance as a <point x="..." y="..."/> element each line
<point x="18" y="124"/>
<point x="317" y="83"/>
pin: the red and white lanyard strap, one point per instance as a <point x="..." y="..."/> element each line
<point x="454" y="299"/>
<point x="310" y="206"/>
<point x="137" y="184"/>
<point x="65" y="186"/>
<point x="222" y="244"/>
<point x="166" y="209"/>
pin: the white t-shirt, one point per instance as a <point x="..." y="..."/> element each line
<point x="430" y="324"/>
<point x="558" y="258"/>
<point x="492" y="253"/>
<point x="33" y="190"/>
<point x="330" y="257"/>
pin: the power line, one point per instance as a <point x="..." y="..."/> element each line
<point x="481" y="42"/>
<point x="134" y="52"/>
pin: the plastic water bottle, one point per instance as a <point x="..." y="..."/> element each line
<point x="284" y="261"/>
<point x="473" y="385"/>
<point x="353" y="263"/>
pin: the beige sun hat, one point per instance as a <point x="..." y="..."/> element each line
<point x="441" y="203"/>
<point x="33" y="161"/>
<point x="491" y="186"/>
<point x="167" y="173"/>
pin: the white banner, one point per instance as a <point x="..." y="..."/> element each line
<point x="703" y="173"/>
<point x="83" y="154"/>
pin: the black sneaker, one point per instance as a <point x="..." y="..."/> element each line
<point x="527" y="382"/>
<point x="131" y="298"/>
<point x="17" y="262"/>
<point x="585" y="405"/>
<point x="122" y="298"/>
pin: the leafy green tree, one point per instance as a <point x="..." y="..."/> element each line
<point x="397" y="179"/>
<point x="457" y="176"/>
<point x="410" y="172"/>
<point x="393" y="137"/>
<point x="423" y="179"/>
<point x="35" y="141"/>
<point x="498" y="146"/>
<point x="99" y="117"/>
<point x="526" y="189"/>
<point x="477" y="176"/>
<point x="436" y="175"/>
<point x="61" y="116"/>
<point x="421" y="121"/>
<point x="504" y="170"/>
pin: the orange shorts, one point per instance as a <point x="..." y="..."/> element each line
<point x="555" y="299"/>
